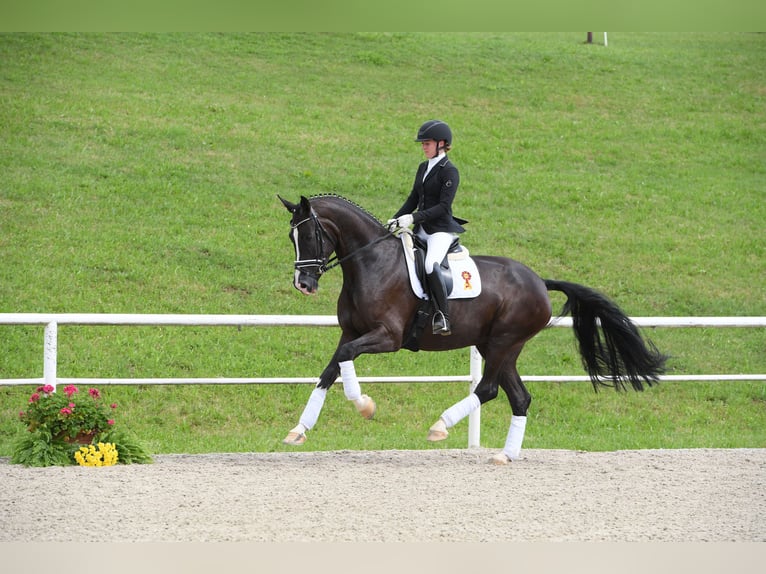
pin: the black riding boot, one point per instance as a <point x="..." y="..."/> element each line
<point x="438" y="291"/>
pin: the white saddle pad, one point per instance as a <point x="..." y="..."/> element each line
<point x="466" y="282"/>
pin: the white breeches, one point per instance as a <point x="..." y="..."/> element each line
<point x="437" y="245"/>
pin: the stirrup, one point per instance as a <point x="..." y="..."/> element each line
<point x="440" y="324"/>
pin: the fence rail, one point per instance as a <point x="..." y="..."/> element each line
<point x="51" y="321"/>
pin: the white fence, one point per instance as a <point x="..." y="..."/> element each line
<point x="53" y="320"/>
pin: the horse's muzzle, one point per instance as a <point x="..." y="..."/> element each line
<point x="305" y="283"/>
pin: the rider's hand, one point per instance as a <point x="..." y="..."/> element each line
<point x="401" y="221"/>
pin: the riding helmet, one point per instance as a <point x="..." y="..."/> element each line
<point x="434" y="130"/>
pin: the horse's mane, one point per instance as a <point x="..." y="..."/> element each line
<point x="346" y="200"/>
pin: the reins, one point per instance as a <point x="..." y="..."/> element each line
<point x="334" y="262"/>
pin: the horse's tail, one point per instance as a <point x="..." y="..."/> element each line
<point x="615" y="351"/>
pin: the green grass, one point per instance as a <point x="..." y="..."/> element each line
<point x="140" y="175"/>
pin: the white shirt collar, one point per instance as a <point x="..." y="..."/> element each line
<point x="432" y="162"/>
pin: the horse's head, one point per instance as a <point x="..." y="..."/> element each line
<point x="312" y="248"/>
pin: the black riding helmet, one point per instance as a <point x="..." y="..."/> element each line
<point x="435" y="130"/>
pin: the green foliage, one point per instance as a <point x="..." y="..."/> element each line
<point x="129" y="448"/>
<point x="67" y="413"/>
<point x="40" y="448"/>
<point x="140" y="174"/>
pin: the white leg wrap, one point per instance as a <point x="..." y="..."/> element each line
<point x="313" y="408"/>
<point x="350" y="381"/>
<point x="515" y="437"/>
<point x="460" y="410"/>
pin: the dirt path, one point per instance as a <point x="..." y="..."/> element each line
<point x="395" y="496"/>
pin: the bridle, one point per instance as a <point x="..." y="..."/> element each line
<point x="321" y="263"/>
<point x="319" y="234"/>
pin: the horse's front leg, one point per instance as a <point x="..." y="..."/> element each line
<point x="310" y="415"/>
<point x="351" y="388"/>
<point x="342" y="364"/>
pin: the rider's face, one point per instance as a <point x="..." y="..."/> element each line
<point x="429" y="148"/>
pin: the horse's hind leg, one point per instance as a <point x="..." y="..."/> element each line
<point x="461" y="409"/>
<point x="452" y="416"/>
<point x="485" y="391"/>
<point x="498" y="373"/>
<point x="520" y="399"/>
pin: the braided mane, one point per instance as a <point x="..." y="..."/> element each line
<point x="345" y="199"/>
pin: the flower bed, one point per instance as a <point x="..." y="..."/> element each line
<point x="60" y="422"/>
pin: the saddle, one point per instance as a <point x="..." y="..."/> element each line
<point x="461" y="279"/>
<point x="461" y="276"/>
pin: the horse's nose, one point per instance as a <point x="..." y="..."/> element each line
<point x="305" y="283"/>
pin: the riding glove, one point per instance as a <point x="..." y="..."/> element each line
<point x="402" y="221"/>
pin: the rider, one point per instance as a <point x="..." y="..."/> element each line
<point x="433" y="191"/>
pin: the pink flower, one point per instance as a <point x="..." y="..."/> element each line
<point x="21" y="414"/>
<point x="113" y="405"/>
<point x="110" y="422"/>
<point x="70" y="390"/>
<point x="48" y="389"/>
<point x="72" y="405"/>
<point x="94" y="393"/>
<point x="66" y="411"/>
<point x="34" y="398"/>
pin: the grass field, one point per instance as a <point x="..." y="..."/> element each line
<point x="140" y="175"/>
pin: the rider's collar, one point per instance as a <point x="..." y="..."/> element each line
<point x="433" y="161"/>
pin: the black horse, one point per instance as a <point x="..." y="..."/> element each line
<point x="377" y="308"/>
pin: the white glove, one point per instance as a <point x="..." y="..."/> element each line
<point x="402" y="221"/>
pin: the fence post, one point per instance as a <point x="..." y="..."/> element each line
<point x="50" y="345"/>
<point x="474" y="419"/>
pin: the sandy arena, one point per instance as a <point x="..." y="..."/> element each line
<point x="688" y="495"/>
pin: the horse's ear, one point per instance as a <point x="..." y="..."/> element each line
<point x="291" y="207"/>
<point x="305" y="205"/>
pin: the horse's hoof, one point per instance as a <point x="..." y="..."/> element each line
<point x="437" y="435"/>
<point x="438" y="431"/>
<point x="500" y="459"/>
<point x="369" y="408"/>
<point x="294" y="438"/>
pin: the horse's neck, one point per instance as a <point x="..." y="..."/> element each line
<point x="360" y="240"/>
<point x="350" y="241"/>
<point x="361" y="243"/>
<point x="371" y="261"/>
<point x="353" y="230"/>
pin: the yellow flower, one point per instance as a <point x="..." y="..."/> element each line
<point x="103" y="454"/>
